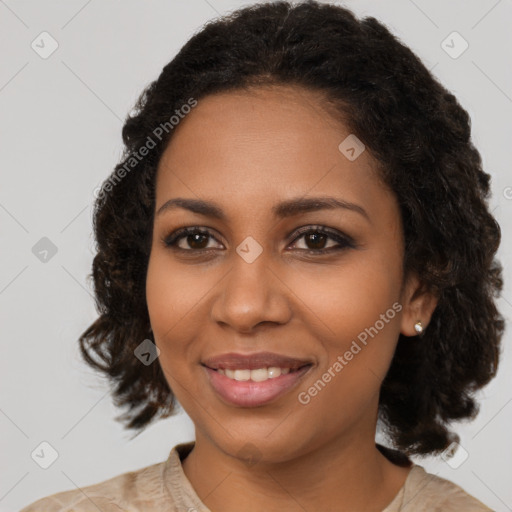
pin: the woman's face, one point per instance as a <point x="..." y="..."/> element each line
<point x="254" y="285"/>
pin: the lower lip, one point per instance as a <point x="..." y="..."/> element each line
<point x="253" y="394"/>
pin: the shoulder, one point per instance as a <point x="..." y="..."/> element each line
<point x="424" y="491"/>
<point x="123" y="493"/>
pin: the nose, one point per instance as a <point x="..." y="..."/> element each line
<point x="251" y="294"/>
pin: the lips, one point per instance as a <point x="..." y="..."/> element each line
<point x="253" y="394"/>
<point x="244" y="391"/>
<point x="234" y="361"/>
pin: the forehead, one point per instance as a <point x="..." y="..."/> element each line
<point x="245" y="148"/>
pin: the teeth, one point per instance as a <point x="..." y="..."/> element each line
<point x="242" y="374"/>
<point x="258" y="375"/>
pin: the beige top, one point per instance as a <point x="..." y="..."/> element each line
<point x="163" y="487"/>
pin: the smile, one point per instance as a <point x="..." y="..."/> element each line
<point x="258" y="375"/>
<point x="250" y="392"/>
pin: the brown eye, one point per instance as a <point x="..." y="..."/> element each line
<point x="315" y="240"/>
<point x="189" y="239"/>
<point x="197" y="241"/>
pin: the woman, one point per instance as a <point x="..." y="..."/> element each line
<point x="295" y="245"/>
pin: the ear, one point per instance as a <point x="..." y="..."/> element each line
<point x="418" y="305"/>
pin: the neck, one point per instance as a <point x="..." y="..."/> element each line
<point x="345" y="474"/>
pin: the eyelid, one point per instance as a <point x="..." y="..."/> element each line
<point x="343" y="240"/>
<point x="170" y="240"/>
<point x="333" y="234"/>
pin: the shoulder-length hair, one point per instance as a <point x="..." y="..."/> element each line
<point x="417" y="132"/>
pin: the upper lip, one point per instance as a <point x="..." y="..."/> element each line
<point x="234" y="361"/>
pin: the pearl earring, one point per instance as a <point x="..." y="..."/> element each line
<point x="418" y="327"/>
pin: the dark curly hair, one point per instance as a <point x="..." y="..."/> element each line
<point x="418" y="134"/>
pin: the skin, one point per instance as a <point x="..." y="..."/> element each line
<point x="247" y="151"/>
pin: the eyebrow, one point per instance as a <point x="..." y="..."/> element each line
<point x="288" y="208"/>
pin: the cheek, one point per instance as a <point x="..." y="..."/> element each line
<point x="345" y="298"/>
<point x="174" y="292"/>
<point x="177" y="298"/>
<point x="357" y="318"/>
<point x="170" y="296"/>
<point x="346" y="386"/>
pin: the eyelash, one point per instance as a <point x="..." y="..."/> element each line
<point x="345" y="241"/>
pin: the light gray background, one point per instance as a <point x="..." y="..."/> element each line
<point x="60" y="135"/>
